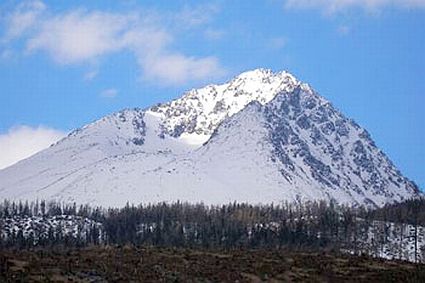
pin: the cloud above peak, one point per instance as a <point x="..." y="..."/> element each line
<point x="80" y="36"/>
<point x="335" y="6"/>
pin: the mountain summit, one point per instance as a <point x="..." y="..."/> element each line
<point x="262" y="137"/>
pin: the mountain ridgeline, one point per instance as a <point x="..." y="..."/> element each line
<point x="260" y="138"/>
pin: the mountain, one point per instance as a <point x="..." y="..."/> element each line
<point x="262" y="137"/>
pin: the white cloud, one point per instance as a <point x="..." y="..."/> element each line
<point x="81" y="37"/>
<point x="109" y="93"/>
<point x="23" y="18"/>
<point x="23" y="141"/>
<point x="177" y="68"/>
<point x="334" y="6"/>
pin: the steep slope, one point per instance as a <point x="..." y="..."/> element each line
<point x="312" y="139"/>
<point x="262" y="137"/>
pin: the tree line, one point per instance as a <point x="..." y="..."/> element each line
<point x="310" y="225"/>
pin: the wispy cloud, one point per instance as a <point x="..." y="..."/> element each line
<point x="199" y="15"/>
<point x="6" y="54"/>
<point x="109" y="93"/>
<point x="277" y="42"/>
<point x="23" y="19"/>
<point x="23" y="141"/>
<point x="343" y="30"/>
<point x="80" y="36"/>
<point x="213" y="34"/>
<point x="90" y="75"/>
<point x="177" y="68"/>
<point x="335" y="6"/>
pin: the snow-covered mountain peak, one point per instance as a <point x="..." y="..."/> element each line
<point x="265" y="75"/>
<point x="261" y="137"/>
<point x="192" y="118"/>
<point x="196" y="114"/>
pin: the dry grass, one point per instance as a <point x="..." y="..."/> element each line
<point x="141" y="264"/>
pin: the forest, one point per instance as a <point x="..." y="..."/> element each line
<point x="395" y="231"/>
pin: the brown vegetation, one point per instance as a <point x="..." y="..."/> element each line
<point x="153" y="264"/>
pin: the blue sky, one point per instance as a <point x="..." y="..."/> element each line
<point x="66" y="63"/>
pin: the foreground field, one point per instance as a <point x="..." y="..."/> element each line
<point x="132" y="264"/>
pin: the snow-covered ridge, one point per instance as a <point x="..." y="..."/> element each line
<point x="197" y="113"/>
